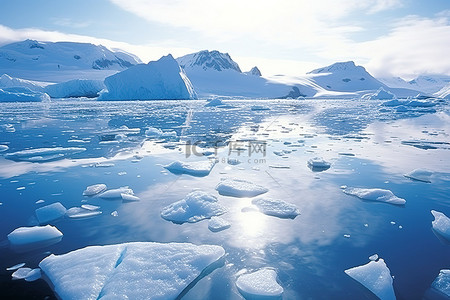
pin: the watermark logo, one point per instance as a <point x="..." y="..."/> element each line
<point x="238" y="147"/>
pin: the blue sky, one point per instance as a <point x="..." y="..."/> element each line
<point x="390" y="37"/>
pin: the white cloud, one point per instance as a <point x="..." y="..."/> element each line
<point x="67" y="22"/>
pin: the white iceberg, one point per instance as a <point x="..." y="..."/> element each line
<point x="24" y="238"/>
<point x="376" y="277"/>
<point x="22" y="94"/>
<point x="33" y="275"/>
<point x="153" y="132"/>
<point x="382" y="94"/>
<point x="262" y="283"/>
<point x="116" y="193"/>
<point x="441" y="224"/>
<point x="198" y="168"/>
<point x="214" y="103"/>
<point x="75" y="88"/>
<point x="442" y="282"/>
<point x="217" y="224"/>
<point x="195" y="207"/>
<point x="276" y="208"/>
<point x="80" y="212"/>
<point x="43" y="154"/>
<point x="7" y="81"/>
<point x="50" y="212"/>
<point x="130" y="270"/>
<point x="318" y="164"/>
<point x="420" y="175"/>
<point x="21" y="273"/>
<point x="157" y="80"/>
<point x="239" y="188"/>
<point x="94" y="189"/>
<point x="374" y="195"/>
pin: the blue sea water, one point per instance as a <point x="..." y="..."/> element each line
<point x="367" y="145"/>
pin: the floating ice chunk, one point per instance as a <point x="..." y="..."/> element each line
<point x="382" y="94"/>
<point x="24" y="238"/>
<point x="262" y="283"/>
<point x="318" y="164"/>
<point x="43" y="154"/>
<point x="15" y="267"/>
<point x="40" y="201"/>
<point x="217" y="224"/>
<point x="94" y="189"/>
<point x="130" y="271"/>
<point x="442" y="282"/>
<point x="116" y="193"/>
<point x="376" y="277"/>
<point x="90" y="207"/>
<point x="239" y="188"/>
<point x="153" y="132"/>
<point x="129" y="197"/>
<point x="420" y="175"/>
<point x="3" y="148"/>
<point x="115" y="213"/>
<point x="33" y="275"/>
<point x="79" y="212"/>
<point x="441" y="224"/>
<point x="22" y="94"/>
<point x="104" y="165"/>
<point x="199" y="168"/>
<point x="195" y="207"/>
<point x="373" y="257"/>
<point x="276" y="208"/>
<point x="374" y="195"/>
<point x="214" y="102"/>
<point x="50" y="212"/>
<point x="21" y="273"/>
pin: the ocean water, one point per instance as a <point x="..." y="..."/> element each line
<point x="368" y="146"/>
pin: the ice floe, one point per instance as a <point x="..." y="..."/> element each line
<point x="420" y="175"/>
<point x="24" y="238"/>
<point x="43" y="154"/>
<point x="441" y="224"/>
<point x="376" y="277"/>
<point x="116" y="193"/>
<point x="198" y="168"/>
<point x="21" y="273"/>
<point x="239" y="188"/>
<point x="195" y="207"/>
<point x="276" y="208"/>
<point x="80" y="212"/>
<point x="141" y="270"/>
<point x="129" y="197"/>
<point x="442" y="282"/>
<point x="318" y="164"/>
<point x="374" y="195"/>
<point x="22" y="94"/>
<point x="217" y="224"/>
<point x="153" y="132"/>
<point x="94" y="189"/>
<point x="262" y="283"/>
<point x="3" y="148"/>
<point x="50" y="212"/>
<point x="382" y="94"/>
<point x="33" y="275"/>
<point x="15" y="267"/>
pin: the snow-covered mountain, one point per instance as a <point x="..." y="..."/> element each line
<point x="254" y="71"/>
<point x="444" y="92"/>
<point x="208" y="60"/>
<point x="61" y="61"/>
<point x="428" y="84"/>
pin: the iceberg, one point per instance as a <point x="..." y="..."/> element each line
<point x="441" y="224"/>
<point x="25" y="238"/>
<point x="75" y="88"/>
<point x="43" y="154"/>
<point x="195" y="207"/>
<point x="199" y="168"/>
<point x="217" y="224"/>
<point x="374" y="195"/>
<point x="239" y="188"/>
<point x="21" y="273"/>
<point x="50" y="212"/>
<point x="214" y="103"/>
<point x="94" y="189"/>
<point x="420" y="175"/>
<point x="116" y="193"/>
<point x="140" y="270"/>
<point x="376" y="277"/>
<point x="7" y="81"/>
<point x="260" y="284"/>
<point x="22" y="94"/>
<point x="276" y="208"/>
<point x="318" y="164"/>
<point x="382" y="94"/>
<point x="157" y="80"/>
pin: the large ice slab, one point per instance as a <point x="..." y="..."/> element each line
<point x="24" y="238"/>
<point x="442" y="282"/>
<point x="239" y="188"/>
<point x="43" y="154"/>
<point x="374" y="195"/>
<point x="75" y="88"/>
<point x="94" y="189"/>
<point x="420" y="175"/>
<point x="276" y="207"/>
<point x="376" y="277"/>
<point x="441" y="224"/>
<point x="318" y="164"/>
<point x="195" y="207"/>
<point x="262" y="283"/>
<point x="116" y="193"/>
<point x="130" y="271"/>
<point x="50" y="212"/>
<point x="198" y="168"/>
<point x="382" y="94"/>
<point x="22" y="94"/>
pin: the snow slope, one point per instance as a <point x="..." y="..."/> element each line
<point x="62" y="61"/>
<point x="157" y="80"/>
<point x="428" y="84"/>
<point x="444" y="92"/>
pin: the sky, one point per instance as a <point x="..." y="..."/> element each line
<point x="404" y="38"/>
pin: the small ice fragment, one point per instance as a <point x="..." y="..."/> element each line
<point x="40" y="201"/>
<point x="114" y="213"/>
<point x="122" y="173"/>
<point x="15" y="267"/>
<point x="262" y="283"/>
<point x="3" y="148"/>
<point x="78" y="212"/>
<point x="366" y="225"/>
<point x="375" y="195"/>
<point x="90" y="207"/>
<point x="392" y="223"/>
<point x="195" y="207"/>
<point x="239" y="188"/>
<point x="37" y="236"/>
<point x="20" y="273"/>
<point x="198" y="168"/>
<point x="153" y="132"/>
<point x="441" y="224"/>
<point x="116" y="193"/>
<point x="217" y="224"/>
<point x="343" y="187"/>
<point x="420" y="175"/>
<point x="129" y="197"/>
<point x="400" y="227"/>
<point x="20" y="188"/>
<point x="318" y="164"/>
<point x="376" y="277"/>
<point x="50" y="212"/>
<point x="104" y="165"/>
<point x="276" y="208"/>
<point x="33" y="275"/>
<point x="94" y="189"/>
<point x="347" y="236"/>
<point x="373" y="257"/>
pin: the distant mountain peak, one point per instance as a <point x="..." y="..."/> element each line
<point x="209" y="60"/>
<point x="254" y="71"/>
<point x="338" y="67"/>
